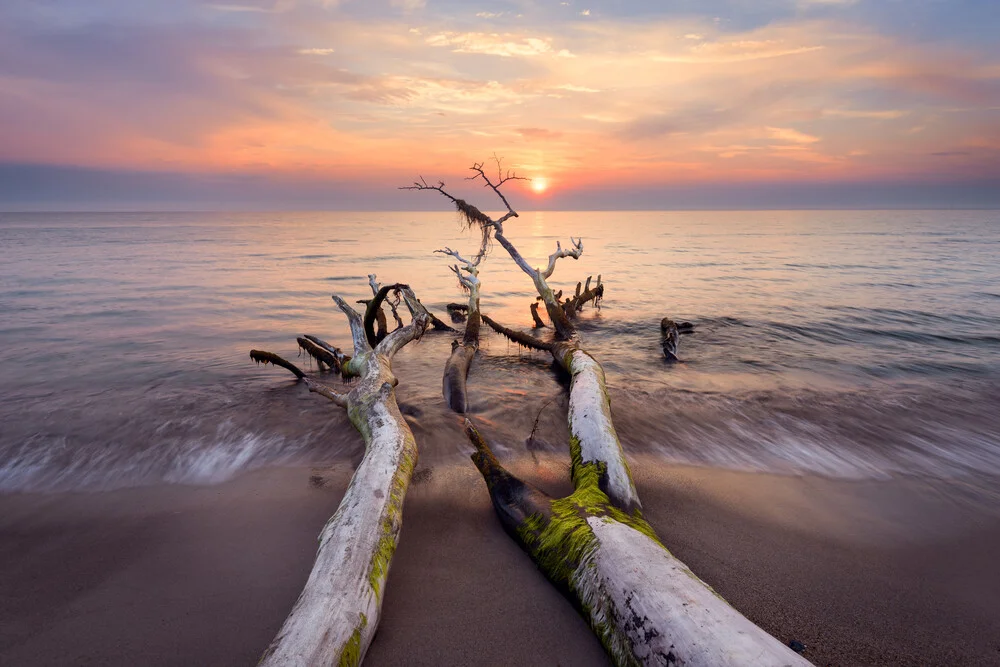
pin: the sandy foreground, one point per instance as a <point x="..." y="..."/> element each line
<point x="889" y="572"/>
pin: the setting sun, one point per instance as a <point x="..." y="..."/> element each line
<point x="539" y="184"/>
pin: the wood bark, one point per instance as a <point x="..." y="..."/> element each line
<point x="536" y="320"/>
<point x="646" y="606"/>
<point x="335" y="617"/>
<point x="454" y="383"/>
<point x="669" y="337"/>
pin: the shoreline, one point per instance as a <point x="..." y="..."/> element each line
<point x="861" y="572"/>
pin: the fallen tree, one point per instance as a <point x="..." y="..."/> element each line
<point x="646" y="606"/>
<point x="337" y="613"/>
<point x="463" y="351"/>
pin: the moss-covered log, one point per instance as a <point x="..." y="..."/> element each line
<point x="645" y="606"/>
<point x="335" y="617"/>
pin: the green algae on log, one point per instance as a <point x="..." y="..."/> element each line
<point x="337" y="613"/>
<point x="646" y="606"/>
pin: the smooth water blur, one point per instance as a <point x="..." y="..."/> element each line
<point x="848" y="343"/>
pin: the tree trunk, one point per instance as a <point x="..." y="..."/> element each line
<point x="335" y="617"/>
<point x="456" y="369"/>
<point x="645" y="606"/>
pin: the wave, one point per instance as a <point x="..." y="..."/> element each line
<point x="47" y="464"/>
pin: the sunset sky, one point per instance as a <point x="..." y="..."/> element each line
<point x="320" y="103"/>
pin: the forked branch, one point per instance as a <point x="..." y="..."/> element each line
<point x="335" y="617"/>
<point x="560" y="253"/>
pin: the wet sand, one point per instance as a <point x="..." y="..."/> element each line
<point x="898" y="572"/>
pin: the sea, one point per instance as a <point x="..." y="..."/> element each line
<point x="845" y="344"/>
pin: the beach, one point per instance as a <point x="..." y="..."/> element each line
<point x="824" y="455"/>
<point x="861" y="573"/>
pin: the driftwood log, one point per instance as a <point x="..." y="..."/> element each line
<point x="463" y="351"/>
<point x="670" y="334"/>
<point x="669" y="337"/>
<point x="646" y="606"/>
<point x="335" y="617"/>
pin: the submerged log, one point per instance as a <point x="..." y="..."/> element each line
<point x="575" y="304"/>
<point x="645" y="605"/>
<point x="534" y="316"/>
<point x="669" y="336"/>
<point x="457" y="312"/>
<point x="335" y="617"/>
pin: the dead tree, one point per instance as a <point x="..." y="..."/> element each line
<point x="335" y="617"/>
<point x="646" y="607"/>
<point x="456" y="369"/>
<point x="574" y="304"/>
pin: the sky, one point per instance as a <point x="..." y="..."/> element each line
<point x="600" y="103"/>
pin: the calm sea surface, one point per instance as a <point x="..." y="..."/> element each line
<point x="851" y="344"/>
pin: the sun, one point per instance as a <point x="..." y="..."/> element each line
<point x="539" y="184"/>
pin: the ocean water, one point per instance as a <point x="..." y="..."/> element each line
<point x="854" y="344"/>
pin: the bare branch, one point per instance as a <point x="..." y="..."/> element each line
<point x="501" y="179"/>
<point x="262" y="357"/>
<point x="357" y="327"/>
<point x="327" y="392"/>
<point x="373" y="310"/>
<point x="454" y="253"/>
<point x="423" y="185"/>
<point x="414" y="330"/>
<point x="519" y="337"/>
<point x="319" y="353"/>
<point x="560" y="253"/>
<point x="466" y="282"/>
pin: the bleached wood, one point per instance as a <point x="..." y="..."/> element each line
<point x="560" y="253"/>
<point x="338" y="611"/>
<point x="647" y="607"/>
<point x="454" y="385"/>
<point x="658" y="612"/>
<point x="591" y="426"/>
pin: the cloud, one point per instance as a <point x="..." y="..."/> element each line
<point x="276" y="7"/>
<point x="409" y="5"/>
<point x="494" y="44"/>
<point x="577" y="89"/>
<point x="736" y="51"/>
<point x="249" y="84"/>
<point x="890" y="114"/>
<point x="538" y="133"/>
<point x="790" y="135"/>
